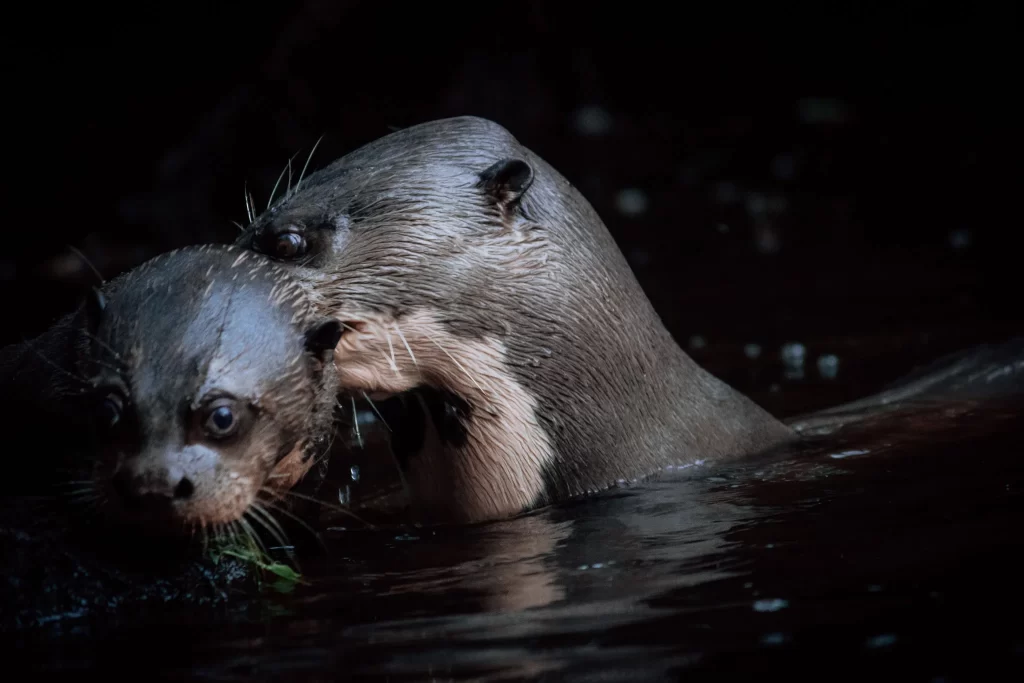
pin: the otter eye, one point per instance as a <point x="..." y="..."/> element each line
<point x="289" y="245"/>
<point x="221" y="422"/>
<point x="110" y="411"/>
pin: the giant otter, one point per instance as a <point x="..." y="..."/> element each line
<point x="201" y="382"/>
<point x="459" y="260"/>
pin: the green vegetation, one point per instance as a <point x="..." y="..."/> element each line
<point x="282" y="577"/>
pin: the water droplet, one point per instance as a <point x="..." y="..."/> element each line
<point x="828" y="365"/>
<point x="697" y="342"/>
<point x="883" y="640"/>
<point x="793" y="354"/>
<point x="752" y="351"/>
<point x="592" y="121"/>
<point x="773" y="639"/>
<point x="344" y="495"/>
<point x="770" y="605"/>
<point x="354" y="471"/>
<point x="631" y="202"/>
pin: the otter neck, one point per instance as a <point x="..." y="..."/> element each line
<point x="676" y="414"/>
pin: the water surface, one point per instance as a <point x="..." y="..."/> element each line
<point x="890" y="549"/>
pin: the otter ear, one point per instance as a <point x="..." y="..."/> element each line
<point x="507" y="181"/>
<point x="323" y="336"/>
<point x="92" y="310"/>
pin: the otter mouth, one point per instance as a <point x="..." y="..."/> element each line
<point x="399" y="422"/>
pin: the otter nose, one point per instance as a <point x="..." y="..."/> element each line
<point x="151" y="488"/>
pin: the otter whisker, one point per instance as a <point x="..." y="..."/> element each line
<point x="82" y="493"/>
<point x="329" y="506"/>
<point x="251" y="533"/>
<point x="106" y="346"/>
<point x="239" y="535"/>
<point x="229" y="529"/>
<point x="280" y="510"/>
<point x="84" y="500"/>
<point x="270" y="200"/>
<point x="257" y="514"/>
<point x="238" y="225"/>
<point x="355" y="423"/>
<point x="259" y="511"/>
<point x="374" y="406"/>
<point x="87" y="262"/>
<point x="298" y="185"/>
<point x="288" y="192"/>
<point x="37" y="352"/>
<point x="248" y="205"/>
<point x="457" y="363"/>
<point x="393" y="363"/>
<point x="407" y="347"/>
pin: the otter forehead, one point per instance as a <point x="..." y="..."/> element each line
<point x="205" y="318"/>
<point x="414" y="168"/>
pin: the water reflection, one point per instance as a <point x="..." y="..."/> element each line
<point x="900" y="555"/>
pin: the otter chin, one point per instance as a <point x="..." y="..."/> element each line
<point x="211" y="382"/>
<point x="461" y="262"/>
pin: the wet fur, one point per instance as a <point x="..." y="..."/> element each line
<point x="453" y="229"/>
<point x="196" y="320"/>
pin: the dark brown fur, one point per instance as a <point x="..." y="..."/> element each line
<point x="454" y="221"/>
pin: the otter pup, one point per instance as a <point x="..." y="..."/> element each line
<point x="460" y="261"/>
<point x="201" y="380"/>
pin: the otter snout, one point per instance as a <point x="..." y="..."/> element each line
<point x="141" y="487"/>
<point x="187" y="486"/>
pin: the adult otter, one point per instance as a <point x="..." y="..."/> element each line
<point x="461" y="261"/>
<point x="205" y="379"/>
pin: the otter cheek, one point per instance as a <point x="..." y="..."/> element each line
<point x="290" y="469"/>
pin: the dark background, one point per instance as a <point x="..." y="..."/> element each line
<point x="839" y="177"/>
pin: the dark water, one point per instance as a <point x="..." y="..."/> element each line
<point x="890" y="549"/>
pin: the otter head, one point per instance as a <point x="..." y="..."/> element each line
<point x="460" y="261"/>
<point x="211" y="378"/>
